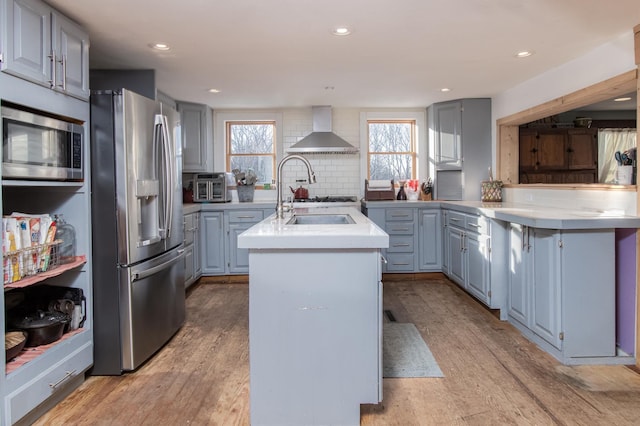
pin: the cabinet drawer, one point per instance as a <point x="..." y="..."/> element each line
<point x="399" y="214"/>
<point x="400" y="244"/>
<point x="400" y="228"/>
<point x="400" y="262"/>
<point x="456" y="219"/>
<point x="479" y="224"/>
<point x="27" y="397"/>
<point x="253" y="216"/>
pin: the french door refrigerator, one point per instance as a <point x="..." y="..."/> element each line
<point x="137" y="233"/>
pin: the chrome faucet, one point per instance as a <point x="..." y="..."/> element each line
<point x="312" y="179"/>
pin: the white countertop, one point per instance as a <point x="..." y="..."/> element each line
<point x="274" y="233"/>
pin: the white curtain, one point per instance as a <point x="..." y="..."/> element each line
<point x="610" y="141"/>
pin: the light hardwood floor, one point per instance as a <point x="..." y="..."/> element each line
<point x="493" y="376"/>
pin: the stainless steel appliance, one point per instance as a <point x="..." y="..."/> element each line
<point x="36" y="145"/>
<point x="211" y="188"/>
<point x="136" y="171"/>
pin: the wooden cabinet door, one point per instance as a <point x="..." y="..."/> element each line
<point x="195" y="130"/>
<point x="528" y="151"/>
<point x="429" y="240"/>
<point x="551" y="151"/>
<point x="477" y="254"/>
<point x="213" y="256"/>
<point x="582" y="149"/>
<point x="456" y="255"/>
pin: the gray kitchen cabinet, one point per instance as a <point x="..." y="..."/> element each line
<point x="39" y="378"/>
<point x="237" y="222"/>
<point x="461" y="146"/>
<point x="197" y="137"/>
<point x="212" y="243"/>
<point x="400" y="224"/>
<point x="561" y="291"/>
<point x="429" y="240"/>
<point x="474" y="247"/>
<point x="45" y="47"/>
<point x="192" y="268"/>
<point x="219" y="239"/>
<point x="444" y="234"/>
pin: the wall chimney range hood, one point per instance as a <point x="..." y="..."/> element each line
<point x="322" y="140"/>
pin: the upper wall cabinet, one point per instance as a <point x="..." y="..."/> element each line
<point x="197" y="137"/>
<point x="461" y="147"/>
<point x="45" y="47"/>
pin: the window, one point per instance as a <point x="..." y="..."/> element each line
<point x="251" y="146"/>
<point x="392" y="149"/>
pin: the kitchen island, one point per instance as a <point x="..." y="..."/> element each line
<point x="315" y="317"/>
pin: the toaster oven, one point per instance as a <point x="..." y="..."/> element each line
<point x="211" y="188"/>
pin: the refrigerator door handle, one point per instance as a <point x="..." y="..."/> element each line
<point x="161" y="123"/>
<point x="140" y="275"/>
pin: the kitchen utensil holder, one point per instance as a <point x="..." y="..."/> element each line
<point x="245" y="193"/>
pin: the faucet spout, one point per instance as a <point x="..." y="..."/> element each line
<point x="310" y="173"/>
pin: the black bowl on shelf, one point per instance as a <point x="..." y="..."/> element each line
<point x="42" y="327"/>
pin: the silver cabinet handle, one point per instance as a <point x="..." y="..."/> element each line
<point x="401" y="263"/>
<point x="400" y="229"/>
<point x="66" y="376"/>
<point x="455" y="219"/>
<point x="474" y="225"/>
<point x="63" y="63"/>
<point x="52" y="58"/>
<point x="246" y="217"/>
<point x="401" y="245"/>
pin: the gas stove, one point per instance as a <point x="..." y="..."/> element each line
<point x="329" y="199"/>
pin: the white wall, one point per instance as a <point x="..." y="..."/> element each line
<point x="609" y="60"/>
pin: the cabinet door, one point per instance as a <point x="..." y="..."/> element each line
<point x="238" y="257"/>
<point x="517" y="302"/>
<point x="448" y="135"/>
<point x="28" y="40"/>
<point x="189" y="276"/>
<point x="197" y="264"/>
<point x="429" y="240"/>
<point x="551" y="151"/>
<point x="194" y="121"/>
<point x="528" y="150"/>
<point x="445" y="243"/>
<point x="456" y="255"/>
<point x="545" y="288"/>
<point x="582" y="149"/>
<point x="71" y="44"/>
<point x="212" y="243"/>
<point x="477" y="254"/>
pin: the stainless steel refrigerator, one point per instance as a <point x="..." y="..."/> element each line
<point x="137" y="236"/>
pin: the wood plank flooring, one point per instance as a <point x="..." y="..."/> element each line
<point x="493" y="375"/>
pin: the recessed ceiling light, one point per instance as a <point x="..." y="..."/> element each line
<point x="341" y="31"/>
<point x="329" y="87"/>
<point x="214" y="91"/>
<point x="160" y="46"/>
<point x="524" y="54"/>
<point x="445" y="89"/>
<point x="621" y="99"/>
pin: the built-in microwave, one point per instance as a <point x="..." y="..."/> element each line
<point x="40" y="146"/>
<point x="211" y="188"/>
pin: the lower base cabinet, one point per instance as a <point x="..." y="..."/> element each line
<point x="192" y="268"/>
<point x="220" y="254"/>
<point x="561" y="291"/>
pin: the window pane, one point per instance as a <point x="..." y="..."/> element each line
<point x="390" y="166"/>
<point x="262" y="166"/>
<point x="252" y="138"/>
<point x="389" y="137"/>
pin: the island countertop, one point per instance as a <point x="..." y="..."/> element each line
<point x="274" y="233"/>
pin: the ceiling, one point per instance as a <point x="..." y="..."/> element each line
<point x="281" y="53"/>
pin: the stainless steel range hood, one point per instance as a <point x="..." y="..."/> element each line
<point x="322" y="140"/>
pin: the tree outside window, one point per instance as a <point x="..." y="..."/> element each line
<point x="392" y="153"/>
<point x="251" y="146"/>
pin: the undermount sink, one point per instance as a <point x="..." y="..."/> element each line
<point x="320" y="219"/>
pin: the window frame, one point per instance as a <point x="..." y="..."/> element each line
<point x="229" y="154"/>
<point x="413" y="142"/>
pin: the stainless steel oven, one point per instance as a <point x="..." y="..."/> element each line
<point x="37" y="145"/>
